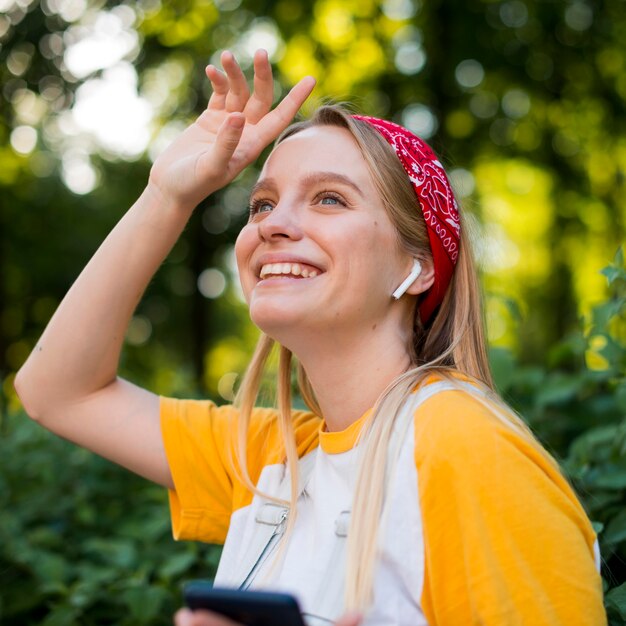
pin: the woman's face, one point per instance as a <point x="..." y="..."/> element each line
<point x="319" y="252"/>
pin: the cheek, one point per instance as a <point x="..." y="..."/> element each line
<point x="244" y="245"/>
<point x="375" y="251"/>
<point x="244" y="248"/>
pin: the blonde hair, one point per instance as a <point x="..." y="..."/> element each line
<point x="452" y="342"/>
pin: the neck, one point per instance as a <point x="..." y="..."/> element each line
<point x="349" y="371"/>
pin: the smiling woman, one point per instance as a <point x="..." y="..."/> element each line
<point x="409" y="493"/>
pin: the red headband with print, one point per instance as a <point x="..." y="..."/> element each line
<point x="436" y="201"/>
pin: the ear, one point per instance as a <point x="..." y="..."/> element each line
<point x="426" y="278"/>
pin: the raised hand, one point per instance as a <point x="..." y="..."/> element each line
<point x="230" y="133"/>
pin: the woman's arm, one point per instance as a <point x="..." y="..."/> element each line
<point x="69" y="383"/>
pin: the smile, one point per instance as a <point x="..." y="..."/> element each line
<point x="287" y="270"/>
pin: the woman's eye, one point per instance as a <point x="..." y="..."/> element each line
<point x="331" y="200"/>
<point x="260" y="206"/>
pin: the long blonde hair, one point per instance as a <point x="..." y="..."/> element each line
<point x="454" y="341"/>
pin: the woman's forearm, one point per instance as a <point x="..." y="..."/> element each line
<point x="79" y="351"/>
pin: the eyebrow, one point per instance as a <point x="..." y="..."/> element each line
<point x="308" y="181"/>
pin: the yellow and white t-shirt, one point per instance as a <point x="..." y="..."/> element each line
<point x="479" y="528"/>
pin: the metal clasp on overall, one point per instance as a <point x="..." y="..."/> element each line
<point x="269" y="514"/>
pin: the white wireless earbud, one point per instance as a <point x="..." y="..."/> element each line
<point x="408" y="281"/>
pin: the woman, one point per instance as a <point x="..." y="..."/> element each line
<point x="420" y="498"/>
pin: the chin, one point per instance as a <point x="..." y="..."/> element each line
<point x="274" y="319"/>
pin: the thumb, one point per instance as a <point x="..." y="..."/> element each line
<point x="350" y="619"/>
<point x="228" y="138"/>
<point x="183" y="617"/>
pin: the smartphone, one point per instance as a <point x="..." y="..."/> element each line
<point x="253" y="608"/>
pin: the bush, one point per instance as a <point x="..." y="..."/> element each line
<point x="84" y="542"/>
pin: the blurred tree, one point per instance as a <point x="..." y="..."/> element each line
<point x="523" y="99"/>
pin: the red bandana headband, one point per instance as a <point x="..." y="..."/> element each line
<point x="436" y="200"/>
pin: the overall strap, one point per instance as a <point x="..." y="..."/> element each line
<point x="271" y="520"/>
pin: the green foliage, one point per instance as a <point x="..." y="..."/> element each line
<point x="534" y="146"/>
<point x="83" y="542"/>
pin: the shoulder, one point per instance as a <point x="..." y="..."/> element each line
<point x="474" y="449"/>
<point x="468" y="442"/>
<point x="467" y="422"/>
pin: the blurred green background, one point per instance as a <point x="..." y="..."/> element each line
<point x="524" y="101"/>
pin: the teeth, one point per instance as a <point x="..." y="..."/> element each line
<point x="287" y="269"/>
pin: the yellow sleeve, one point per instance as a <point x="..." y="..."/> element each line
<point x="506" y="540"/>
<point x="200" y="452"/>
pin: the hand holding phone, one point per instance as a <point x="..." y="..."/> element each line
<point x="250" y="608"/>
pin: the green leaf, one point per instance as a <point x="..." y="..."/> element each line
<point x="144" y="603"/>
<point x="612" y="479"/>
<point x="617" y="270"/>
<point x="612" y="273"/>
<point x="118" y="552"/>
<point x="616" y="529"/>
<point x="620" y="396"/>
<point x="61" y="616"/>
<point x="50" y="567"/>
<point x="177" y="564"/>
<point x="557" y="389"/>
<point x="503" y="367"/>
<point x="84" y="594"/>
<point x="615" y="600"/>
<point x="604" y="313"/>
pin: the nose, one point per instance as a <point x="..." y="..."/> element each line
<point x="280" y="224"/>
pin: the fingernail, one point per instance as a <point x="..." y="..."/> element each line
<point x="237" y="122"/>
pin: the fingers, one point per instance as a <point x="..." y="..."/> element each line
<point x="238" y="94"/>
<point x="219" y="85"/>
<point x="226" y="142"/>
<point x="185" y="617"/>
<point x="263" y="96"/>
<point x="230" y="89"/>
<point x="231" y="92"/>
<point x="350" y="619"/>
<point x="277" y="120"/>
